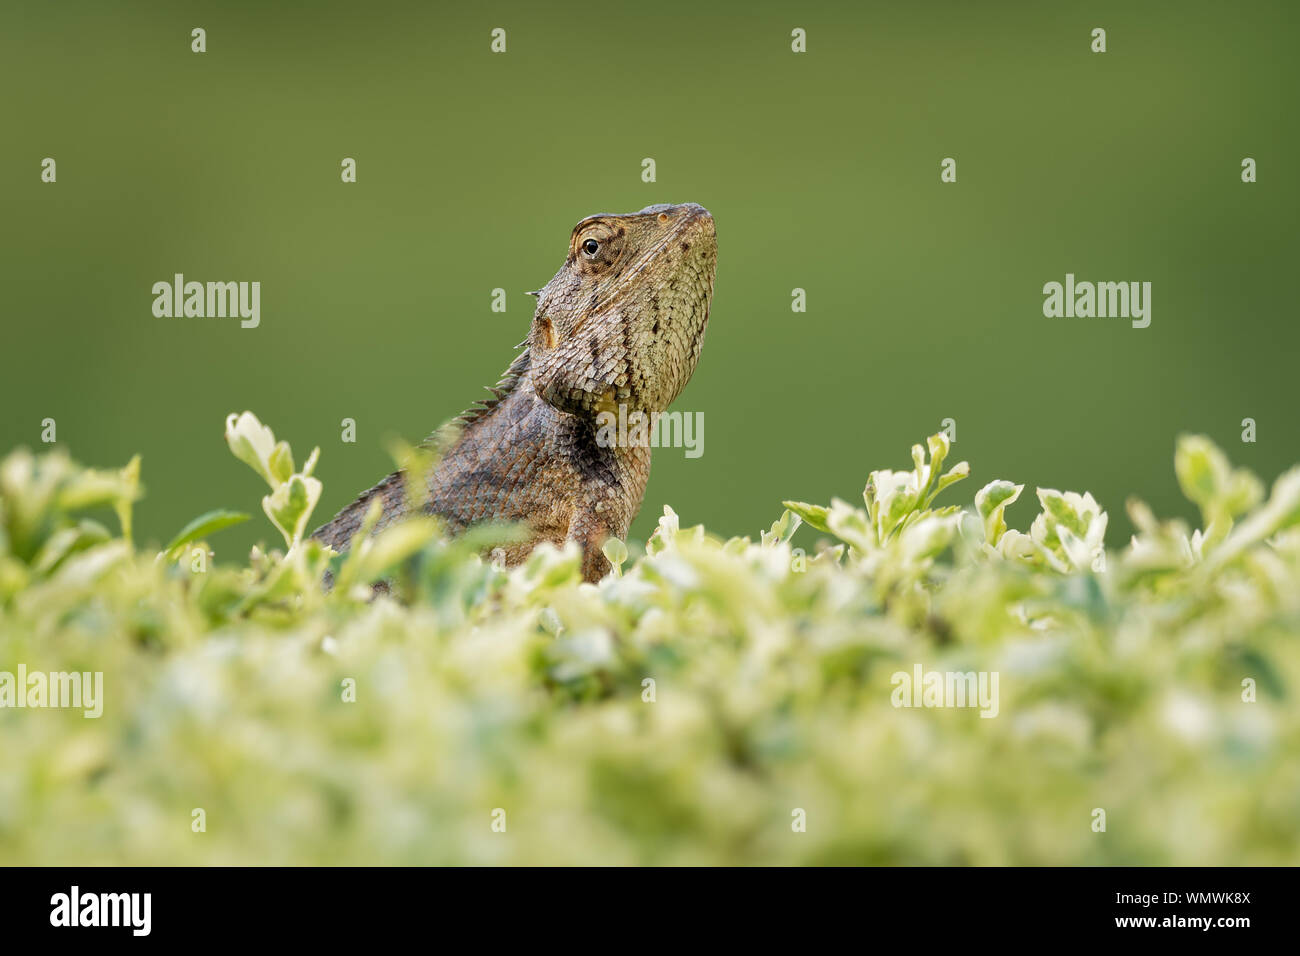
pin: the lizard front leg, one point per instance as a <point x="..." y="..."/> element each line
<point x="591" y="533"/>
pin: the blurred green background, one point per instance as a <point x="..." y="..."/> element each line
<point x="821" y="169"/>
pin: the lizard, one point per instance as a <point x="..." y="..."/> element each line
<point x="621" y="323"/>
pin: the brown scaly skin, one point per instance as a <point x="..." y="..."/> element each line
<point x="622" y="322"/>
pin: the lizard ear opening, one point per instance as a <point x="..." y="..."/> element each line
<point x="545" y="336"/>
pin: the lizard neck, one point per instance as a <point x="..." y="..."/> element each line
<point x="595" y="454"/>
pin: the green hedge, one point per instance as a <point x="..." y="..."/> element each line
<point x="713" y="702"/>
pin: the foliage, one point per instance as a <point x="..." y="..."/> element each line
<point x="682" y="710"/>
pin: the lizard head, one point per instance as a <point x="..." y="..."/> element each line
<point x="623" y="320"/>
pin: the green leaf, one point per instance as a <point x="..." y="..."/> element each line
<point x="84" y="535"/>
<point x="1210" y="482"/>
<point x="252" y="443"/>
<point x="1200" y="468"/>
<point x="615" y="550"/>
<point x="782" y="529"/>
<point x="89" y="488"/>
<point x="280" y="462"/>
<point x="955" y="474"/>
<point x="205" y="524"/>
<point x="387" y="550"/>
<point x="815" y="515"/>
<point x="991" y="501"/>
<point x="1280" y="512"/>
<point x="130" y="476"/>
<point x="290" y="506"/>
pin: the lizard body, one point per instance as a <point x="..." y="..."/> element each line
<point x="621" y="323"/>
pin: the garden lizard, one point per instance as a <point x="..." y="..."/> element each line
<point x="621" y="323"/>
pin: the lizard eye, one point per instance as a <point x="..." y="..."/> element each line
<point x="591" y="247"/>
